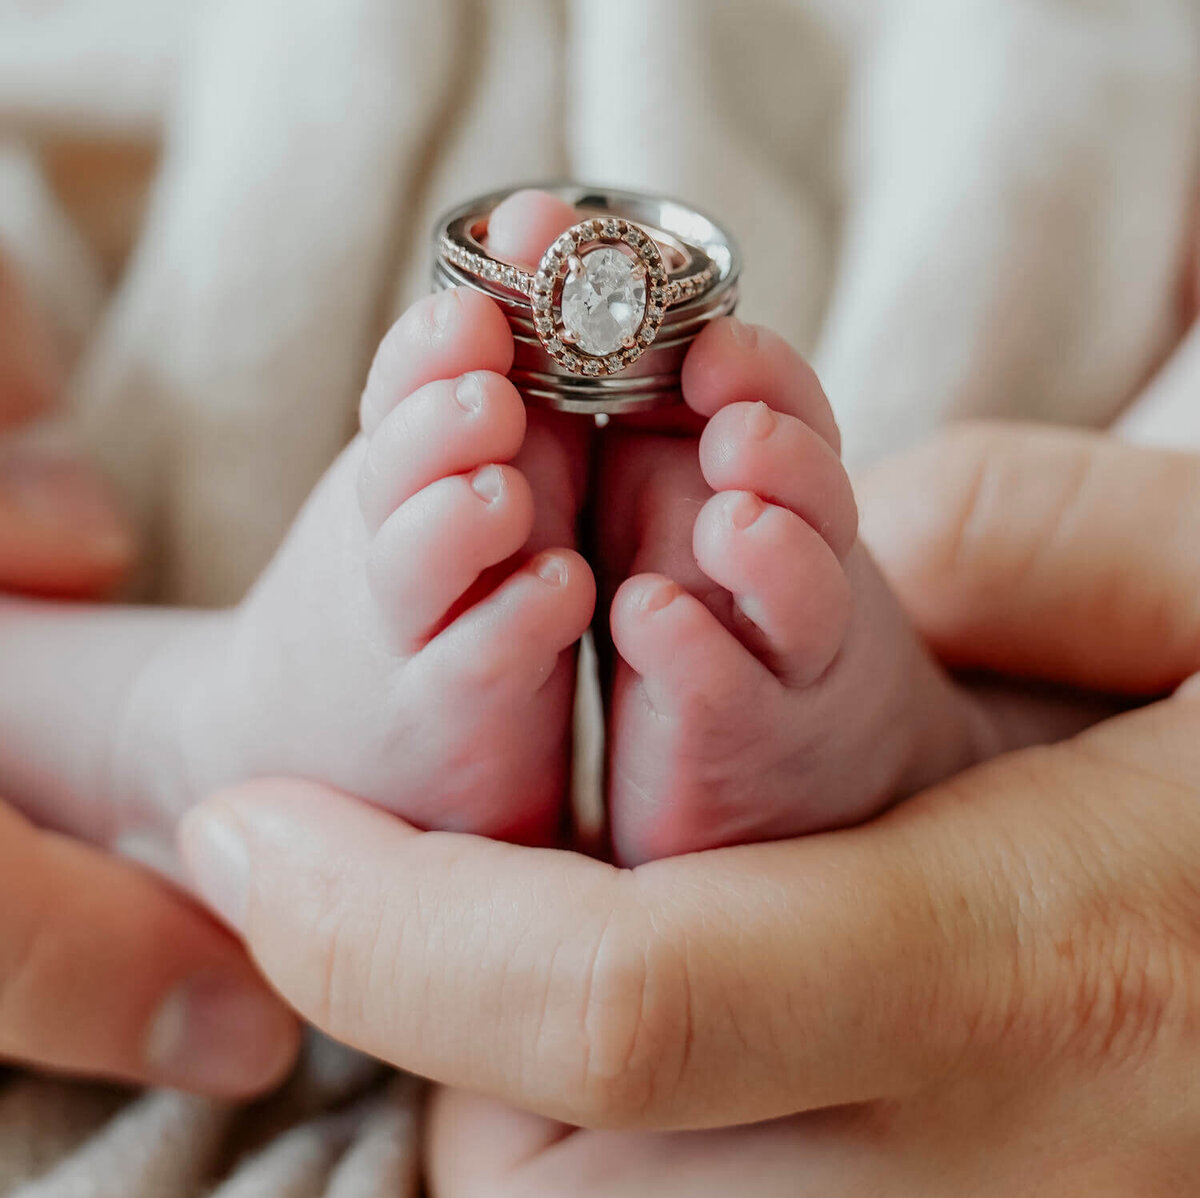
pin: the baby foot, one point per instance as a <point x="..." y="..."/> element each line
<point x="766" y="683"/>
<point x="412" y="643"/>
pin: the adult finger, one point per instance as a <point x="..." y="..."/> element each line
<point x="106" y="972"/>
<point x="990" y="918"/>
<point x="1044" y="552"/>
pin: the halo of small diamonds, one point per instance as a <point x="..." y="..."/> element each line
<point x="569" y="250"/>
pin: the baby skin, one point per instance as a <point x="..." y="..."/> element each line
<point x="413" y="643"/>
<point x="764" y="683"/>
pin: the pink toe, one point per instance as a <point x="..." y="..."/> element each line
<point x="523" y="225"/>
<point x="511" y="639"/>
<point x="446" y="427"/>
<point x="732" y="362"/>
<point x="430" y="552"/>
<point x="784" y="577"/>
<point x="679" y="716"/>
<point x="441" y="336"/>
<point x="750" y="447"/>
<point x="683" y="653"/>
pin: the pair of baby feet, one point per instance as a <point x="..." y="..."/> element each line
<point x="413" y="643"/>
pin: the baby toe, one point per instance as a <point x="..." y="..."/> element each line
<point x="690" y="703"/>
<point x="732" y="362"/>
<point x="441" y="336"/>
<point x="447" y="427"/>
<point x="431" y="550"/>
<point x="511" y="640"/>
<point x="525" y="223"/>
<point x="784" y="578"/>
<point x="750" y="447"/>
<point x="686" y="658"/>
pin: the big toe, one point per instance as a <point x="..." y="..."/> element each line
<point x="525" y="223"/>
<point x="441" y="336"/>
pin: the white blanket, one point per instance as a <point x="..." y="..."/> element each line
<point x="960" y="207"/>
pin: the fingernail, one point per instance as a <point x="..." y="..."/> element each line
<point x="469" y="393"/>
<point x="551" y="569"/>
<point x="744" y="335"/>
<point x="760" y="421"/>
<point x="487" y="484"/>
<point x="743" y="509"/>
<point x="656" y="596"/>
<point x="56" y="491"/>
<point x="219" y="863"/>
<point x="220" y="1035"/>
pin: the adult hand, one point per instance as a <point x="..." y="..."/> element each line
<point x="104" y="970"/>
<point x="1110" y="1106"/>
<point x="1032" y="922"/>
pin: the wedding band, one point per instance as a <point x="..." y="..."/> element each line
<point x="602" y="324"/>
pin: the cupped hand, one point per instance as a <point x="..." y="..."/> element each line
<point x="1099" y="1094"/>
<point x="1027" y="934"/>
<point x="104" y="971"/>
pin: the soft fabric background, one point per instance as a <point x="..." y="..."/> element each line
<point x="959" y="207"/>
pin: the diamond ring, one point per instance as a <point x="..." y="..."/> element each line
<point x="635" y="273"/>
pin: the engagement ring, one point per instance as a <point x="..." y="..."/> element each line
<point x="614" y="301"/>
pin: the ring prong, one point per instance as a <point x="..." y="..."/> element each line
<point x="575" y="264"/>
<point x="629" y="341"/>
<point x="566" y="336"/>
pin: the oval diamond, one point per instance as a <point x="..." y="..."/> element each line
<point x="603" y="303"/>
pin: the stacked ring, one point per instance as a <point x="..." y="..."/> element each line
<point x="604" y="320"/>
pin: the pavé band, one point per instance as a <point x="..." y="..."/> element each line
<point x="636" y="276"/>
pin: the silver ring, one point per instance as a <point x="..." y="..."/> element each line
<point x="603" y="323"/>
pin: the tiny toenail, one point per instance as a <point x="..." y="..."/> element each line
<point x="469" y="393"/>
<point x="656" y="597"/>
<point x="760" y="421"/>
<point x="744" y="509"/>
<point x="551" y="570"/>
<point x="487" y="483"/>
<point x="745" y="336"/>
